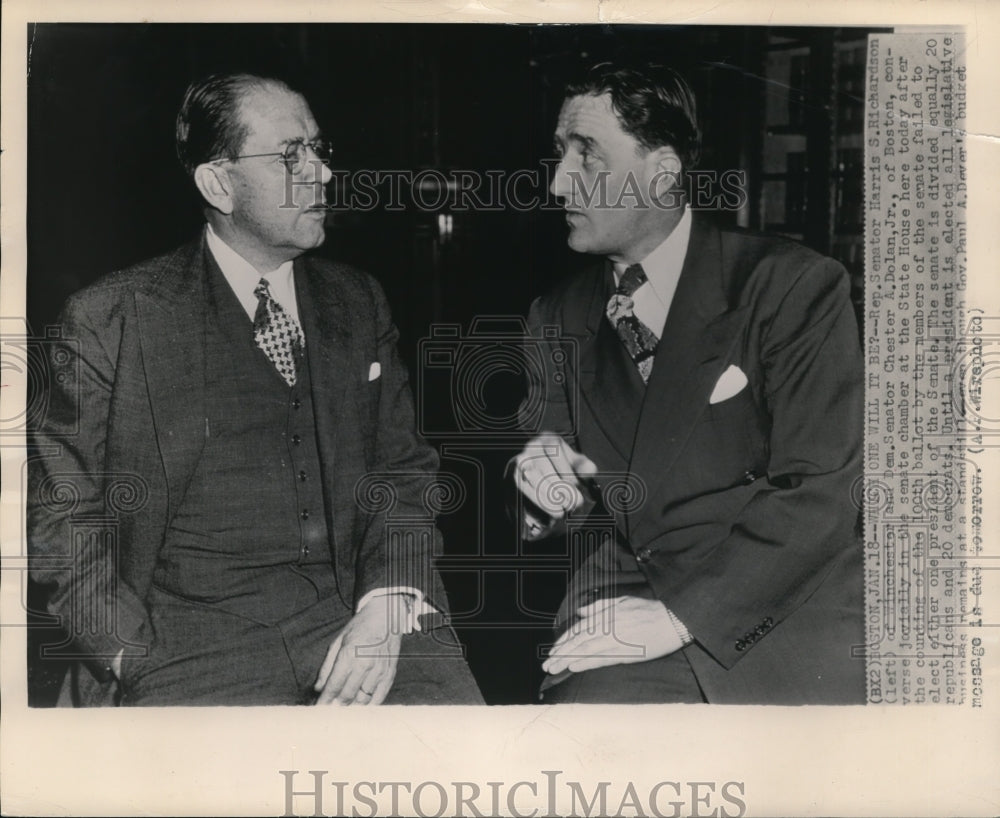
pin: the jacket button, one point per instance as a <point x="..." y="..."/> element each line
<point x="302" y="476"/>
<point x="296" y="403"/>
<point x="741" y="645"/>
<point x="643" y="555"/>
<point x="296" y="439"/>
<point x="760" y="630"/>
<point x="767" y="623"/>
<point x="749" y="476"/>
<point x="304" y="514"/>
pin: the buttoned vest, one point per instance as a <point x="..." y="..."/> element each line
<point x="250" y="534"/>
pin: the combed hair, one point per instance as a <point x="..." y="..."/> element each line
<point x="209" y="122"/>
<point x="653" y="103"/>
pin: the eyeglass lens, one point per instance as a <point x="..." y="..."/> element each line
<point x="297" y="154"/>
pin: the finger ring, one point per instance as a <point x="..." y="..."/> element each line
<point x="368" y="692"/>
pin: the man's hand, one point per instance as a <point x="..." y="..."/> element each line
<point x="360" y="664"/>
<point x="618" y="631"/>
<point x="550" y="474"/>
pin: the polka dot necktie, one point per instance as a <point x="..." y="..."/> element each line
<point x="277" y="334"/>
<point x="639" y="340"/>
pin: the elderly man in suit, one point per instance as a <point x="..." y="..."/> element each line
<point x="715" y="379"/>
<point x="274" y="547"/>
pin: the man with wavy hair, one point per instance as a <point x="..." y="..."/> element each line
<point x="709" y="420"/>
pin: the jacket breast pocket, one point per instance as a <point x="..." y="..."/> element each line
<point x="368" y="396"/>
<point x="740" y="404"/>
<point x="730" y="439"/>
<point x="372" y="395"/>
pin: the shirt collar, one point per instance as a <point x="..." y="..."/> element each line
<point x="663" y="265"/>
<point x="243" y="277"/>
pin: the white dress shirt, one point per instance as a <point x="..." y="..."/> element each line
<point x="663" y="269"/>
<point x="243" y="277"/>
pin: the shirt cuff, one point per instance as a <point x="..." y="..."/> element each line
<point x="682" y="631"/>
<point x="416" y="606"/>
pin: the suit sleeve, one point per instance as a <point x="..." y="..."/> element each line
<point x="799" y="520"/>
<point x="401" y="542"/>
<point x="544" y="409"/>
<point x="549" y="371"/>
<point x="68" y="485"/>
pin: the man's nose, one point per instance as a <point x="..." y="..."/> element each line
<point x="309" y="183"/>
<point x="561" y="185"/>
<point x="317" y="170"/>
<point x="325" y="173"/>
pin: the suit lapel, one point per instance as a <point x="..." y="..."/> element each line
<point x="172" y="317"/>
<point x="617" y="394"/>
<point x="609" y="382"/>
<point x="697" y="338"/>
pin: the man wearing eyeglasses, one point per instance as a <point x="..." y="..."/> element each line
<point x="276" y="549"/>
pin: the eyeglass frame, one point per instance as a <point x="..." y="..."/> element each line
<point x="296" y="145"/>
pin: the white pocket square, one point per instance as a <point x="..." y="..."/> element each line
<point x="731" y="383"/>
<point x="374" y="371"/>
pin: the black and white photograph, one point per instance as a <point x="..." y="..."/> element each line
<point x="509" y="387"/>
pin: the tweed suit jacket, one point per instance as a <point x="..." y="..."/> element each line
<point x="129" y="421"/>
<point x="743" y="523"/>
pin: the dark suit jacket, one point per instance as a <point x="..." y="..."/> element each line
<point x="747" y="530"/>
<point x="134" y="417"/>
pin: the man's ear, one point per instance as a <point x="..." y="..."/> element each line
<point x="667" y="167"/>
<point x="215" y="186"/>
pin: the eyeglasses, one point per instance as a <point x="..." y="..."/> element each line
<point x="295" y="156"/>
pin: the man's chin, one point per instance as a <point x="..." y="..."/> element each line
<point x="578" y="241"/>
<point x="315" y="238"/>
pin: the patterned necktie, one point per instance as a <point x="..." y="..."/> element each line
<point x="639" y="340"/>
<point x="277" y="334"/>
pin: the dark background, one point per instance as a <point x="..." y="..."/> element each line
<point x="105" y="191"/>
